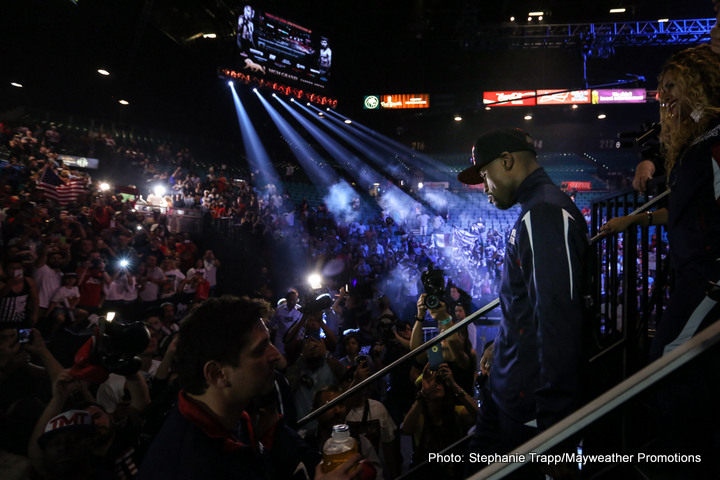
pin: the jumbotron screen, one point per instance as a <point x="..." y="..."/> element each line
<point x="272" y="46"/>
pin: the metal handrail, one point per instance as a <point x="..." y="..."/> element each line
<point x="649" y="204"/>
<point x="606" y="402"/>
<point x="407" y="356"/>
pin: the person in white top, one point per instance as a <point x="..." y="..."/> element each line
<point x="211" y="264"/>
<point x="175" y="277"/>
<point x="47" y="277"/>
<point x="66" y="297"/>
<point x="152" y="280"/>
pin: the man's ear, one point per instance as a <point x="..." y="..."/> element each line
<point x="215" y="375"/>
<point x="508" y="161"/>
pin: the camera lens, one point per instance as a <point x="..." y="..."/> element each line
<point x="432" y="301"/>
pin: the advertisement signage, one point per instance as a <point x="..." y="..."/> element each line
<point x="395" y="101"/>
<point x="562" y="97"/>
<point x="509" y="99"/>
<point x="579" y="186"/>
<point x="618" y="95"/>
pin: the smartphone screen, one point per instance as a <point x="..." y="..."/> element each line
<point x="24" y="335"/>
<point x="435" y="356"/>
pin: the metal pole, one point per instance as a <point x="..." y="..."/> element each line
<point x="407" y="356"/>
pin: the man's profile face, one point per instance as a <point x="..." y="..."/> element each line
<point x="254" y="374"/>
<point x="460" y="312"/>
<point x="497" y="185"/>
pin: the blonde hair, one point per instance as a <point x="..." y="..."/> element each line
<point x="696" y="73"/>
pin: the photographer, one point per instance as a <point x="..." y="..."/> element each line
<point x="457" y="351"/>
<point x="309" y="325"/>
<point x="441" y="415"/>
<point x="91" y="278"/>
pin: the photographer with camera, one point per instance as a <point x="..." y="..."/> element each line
<point x="456" y="349"/>
<point x="441" y="415"/>
<point x="91" y="278"/>
<point x="309" y="325"/>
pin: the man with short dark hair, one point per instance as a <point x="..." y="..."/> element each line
<point x="225" y="360"/>
<point x="535" y="374"/>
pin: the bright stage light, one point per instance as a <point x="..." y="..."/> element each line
<point x="574" y="107"/>
<point x="123" y="102"/>
<point x="348" y="121"/>
<point x="602" y="116"/>
<point x="457" y="118"/>
<point x="159" y="190"/>
<point x="292" y="99"/>
<point x="420" y="186"/>
<point x="315" y="281"/>
<point x="528" y="117"/>
<point x="16" y="84"/>
<point x="103" y="72"/>
<point x="104" y="187"/>
<point x="230" y="84"/>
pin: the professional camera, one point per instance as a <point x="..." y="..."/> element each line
<point x="113" y="349"/>
<point x="433" y="281"/>
<point x="316" y="304"/>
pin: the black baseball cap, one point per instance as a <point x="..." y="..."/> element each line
<point x="490" y="146"/>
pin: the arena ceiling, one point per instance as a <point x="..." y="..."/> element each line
<point x="168" y="73"/>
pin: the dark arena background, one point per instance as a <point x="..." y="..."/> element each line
<point x="250" y="145"/>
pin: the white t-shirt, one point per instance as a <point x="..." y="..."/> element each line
<point x="377" y="412"/>
<point x="110" y="392"/>
<point x="151" y="289"/>
<point x="65" y="292"/>
<point x="176" y="277"/>
<point x="210" y="272"/>
<point x="47" y="281"/>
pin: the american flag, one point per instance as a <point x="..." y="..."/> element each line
<point x="57" y="190"/>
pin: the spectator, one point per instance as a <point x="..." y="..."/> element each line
<point x="91" y="279"/>
<point x="441" y="415"/>
<point x="151" y="281"/>
<point x="285" y="316"/>
<point x="225" y="360"/>
<point x="47" y="277"/>
<point x="18" y="295"/>
<point x="64" y="303"/>
<point x="211" y="265"/>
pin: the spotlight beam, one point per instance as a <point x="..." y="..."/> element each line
<point x="433" y="201"/>
<point x="311" y="161"/>
<point x="394" y="199"/>
<point x="257" y="156"/>
<point x="403" y="153"/>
